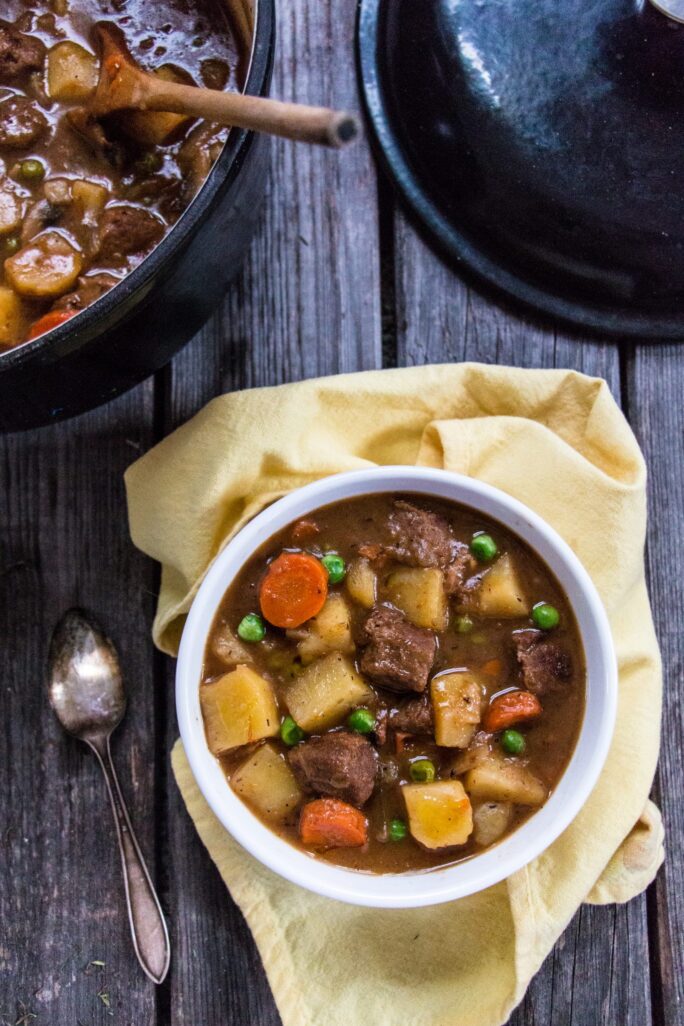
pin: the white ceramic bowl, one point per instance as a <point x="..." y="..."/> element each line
<point x="405" y="890"/>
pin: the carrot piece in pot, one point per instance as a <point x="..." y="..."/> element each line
<point x="331" y="823"/>
<point x="294" y="589"/>
<point x="511" y="708"/>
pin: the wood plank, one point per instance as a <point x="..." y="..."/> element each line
<point x="307" y="303"/>
<point x="654" y="392"/>
<point x="64" y="541"/>
<point x="587" y="978"/>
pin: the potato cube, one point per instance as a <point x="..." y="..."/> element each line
<point x="439" y="813"/>
<point x="10" y="212"/>
<point x="498" y="780"/>
<point x="228" y="647"/>
<point x="91" y="198"/>
<point x="72" y="72"/>
<point x="457" y="700"/>
<point x="12" y="317"/>
<point x="325" y="692"/>
<point x="48" y="266"/>
<point x="419" y="593"/>
<point x="500" y="593"/>
<point x="362" y="583"/>
<point x="238" y="709"/>
<point x="490" y="821"/>
<point x="330" y="631"/>
<point x="266" y="782"/>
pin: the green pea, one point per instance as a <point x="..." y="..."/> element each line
<point x="335" y="566"/>
<point x="464" y="624"/>
<point x="422" y="771"/>
<point x="546" y="617"/>
<point x="512" y="742"/>
<point x="484" y="548"/>
<point x="362" y="721"/>
<point x="397" y="830"/>
<point x="149" y="162"/>
<point x="32" y="170"/>
<point x="291" y="732"/>
<point x="251" y="628"/>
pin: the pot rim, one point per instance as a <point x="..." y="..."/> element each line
<point x="104" y="312"/>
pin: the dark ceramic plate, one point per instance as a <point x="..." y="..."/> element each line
<point x="541" y="143"/>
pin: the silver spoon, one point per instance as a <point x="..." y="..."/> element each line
<point x="87" y="694"/>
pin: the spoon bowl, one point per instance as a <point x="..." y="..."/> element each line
<point x="86" y="687"/>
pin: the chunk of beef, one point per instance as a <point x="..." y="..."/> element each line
<point x="341" y="765"/>
<point x="421" y="538"/>
<point x="90" y="288"/>
<point x="21" y="123"/>
<point x="128" y="231"/>
<point x="397" y="655"/>
<point x="545" y="665"/>
<point x="414" y="716"/>
<point x="19" y="54"/>
<point x="460" y="568"/>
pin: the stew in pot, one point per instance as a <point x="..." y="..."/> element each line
<point x="82" y="203"/>
<point x="394" y="683"/>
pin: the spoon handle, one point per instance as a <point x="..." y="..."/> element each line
<point x="148" y="927"/>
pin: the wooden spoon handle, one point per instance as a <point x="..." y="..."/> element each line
<point x="290" y="120"/>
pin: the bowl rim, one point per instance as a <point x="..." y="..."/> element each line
<point x="405" y="890"/>
<point x="112" y="308"/>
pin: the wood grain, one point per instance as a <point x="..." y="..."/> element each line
<point x="655" y="376"/>
<point x="586" y="979"/>
<point x="64" y="541"/>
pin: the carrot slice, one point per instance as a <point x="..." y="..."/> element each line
<point x="492" y="667"/>
<point x="49" y="321"/>
<point x="331" y="823"/>
<point x="512" y="707"/>
<point x="294" y="589"/>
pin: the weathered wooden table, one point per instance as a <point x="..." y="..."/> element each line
<point x="336" y="280"/>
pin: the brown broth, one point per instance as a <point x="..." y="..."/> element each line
<point x="550" y="741"/>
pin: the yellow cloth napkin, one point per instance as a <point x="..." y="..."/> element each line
<point x="557" y="441"/>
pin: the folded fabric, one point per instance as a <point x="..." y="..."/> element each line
<point x="557" y="441"/>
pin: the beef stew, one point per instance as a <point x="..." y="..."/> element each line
<point x="82" y="202"/>
<point x="394" y="683"/>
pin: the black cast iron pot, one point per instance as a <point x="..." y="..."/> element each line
<point x="136" y="328"/>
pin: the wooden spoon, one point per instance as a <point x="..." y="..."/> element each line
<point x="122" y="85"/>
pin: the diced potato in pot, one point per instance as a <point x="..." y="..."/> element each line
<point x="238" y="709"/>
<point x="227" y="646"/>
<point x="10" y="212"/>
<point x="72" y="72"/>
<point x="439" y="813"/>
<point x="48" y="266"/>
<point x="419" y="593"/>
<point x="362" y="583"/>
<point x="266" y="782"/>
<point x="325" y="692"/>
<point x="490" y="821"/>
<point x="90" y="197"/>
<point x="500" y="593"/>
<point x="498" y="780"/>
<point x="457" y="701"/>
<point x="329" y="631"/>
<point x="12" y="317"/>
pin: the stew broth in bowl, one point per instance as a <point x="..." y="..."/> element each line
<point x="82" y="203"/>
<point x="394" y="683"/>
